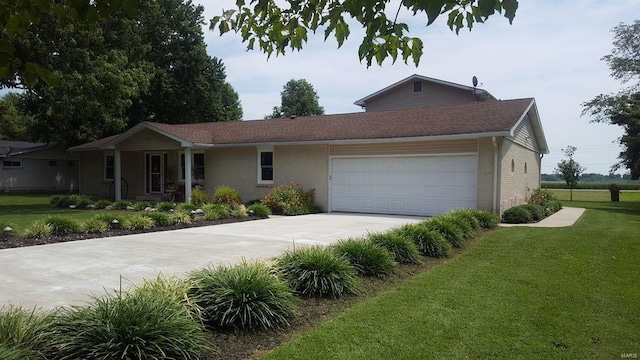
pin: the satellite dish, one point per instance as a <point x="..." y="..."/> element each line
<point x="474" y="80"/>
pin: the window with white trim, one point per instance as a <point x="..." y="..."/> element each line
<point x="197" y="166"/>
<point x="12" y="164"/>
<point x="265" y="166"/>
<point x="109" y="167"/>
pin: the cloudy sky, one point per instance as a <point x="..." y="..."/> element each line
<point x="551" y="52"/>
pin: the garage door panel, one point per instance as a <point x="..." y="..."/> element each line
<point x="427" y="185"/>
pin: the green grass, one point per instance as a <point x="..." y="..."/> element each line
<point x="21" y="211"/>
<point x="594" y="195"/>
<point x="525" y="293"/>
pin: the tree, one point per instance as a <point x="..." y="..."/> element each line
<point x="124" y="71"/>
<point x="19" y="69"/>
<point x="274" y="28"/>
<point x="298" y="97"/>
<point x="622" y="109"/>
<point x="14" y="124"/>
<point x="569" y="169"/>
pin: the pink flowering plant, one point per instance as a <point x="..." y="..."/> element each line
<point x="290" y="199"/>
<point x="546" y="199"/>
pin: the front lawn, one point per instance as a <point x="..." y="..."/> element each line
<point x="20" y="211"/>
<point x="594" y="195"/>
<point x="529" y="293"/>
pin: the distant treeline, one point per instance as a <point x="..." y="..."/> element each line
<point x="622" y="185"/>
<point x="591" y="177"/>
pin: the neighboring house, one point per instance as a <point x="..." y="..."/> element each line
<point x="37" y="167"/>
<point x="415" y="161"/>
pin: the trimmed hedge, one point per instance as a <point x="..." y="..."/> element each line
<point x="517" y="215"/>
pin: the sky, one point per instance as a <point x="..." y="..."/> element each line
<point x="551" y="52"/>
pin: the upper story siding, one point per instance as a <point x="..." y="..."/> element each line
<point x="432" y="94"/>
<point x="524" y="135"/>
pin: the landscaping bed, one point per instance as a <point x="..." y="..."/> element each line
<point x="18" y="241"/>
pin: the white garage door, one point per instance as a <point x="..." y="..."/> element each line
<point x="420" y="185"/>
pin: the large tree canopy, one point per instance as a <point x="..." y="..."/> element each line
<point x="153" y="66"/>
<point x="275" y="26"/>
<point x="298" y="97"/>
<point x="14" y="124"/>
<point x="622" y="109"/>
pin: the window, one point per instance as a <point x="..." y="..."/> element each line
<point x="53" y="163"/>
<point x="513" y="165"/>
<point x="525" y="168"/>
<point x="197" y="166"/>
<point x="12" y="164"/>
<point x="109" y="167"/>
<point x="417" y="86"/>
<point x="265" y="166"/>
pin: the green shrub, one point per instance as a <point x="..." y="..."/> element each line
<point x="290" y="199"/>
<point x="448" y="228"/>
<point x="216" y="211"/>
<point x="467" y="215"/>
<point x="537" y="211"/>
<point x="259" y="209"/>
<point x="544" y="198"/>
<point x="102" y="204"/>
<point x="121" y="205"/>
<point x="199" y="196"/>
<point x="62" y="201"/>
<point x="38" y="229"/>
<point x="180" y="218"/>
<point x="138" y="221"/>
<point x="467" y="230"/>
<point x="487" y="219"/>
<point x="429" y="242"/>
<point x="186" y="207"/>
<point x="226" y="195"/>
<point x="24" y="334"/>
<point x="239" y="211"/>
<point x="517" y="215"/>
<point x="81" y="201"/>
<point x="140" y="206"/>
<point x="61" y="225"/>
<point x="166" y="206"/>
<point x="95" y="225"/>
<point x="139" y="325"/>
<point x="159" y="218"/>
<point x="366" y="257"/>
<point x="109" y="217"/>
<point x="243" y="297"/>
<point x="403" y="249"/>
<point x="173" y="289"/>
<point x="318" y="272"/>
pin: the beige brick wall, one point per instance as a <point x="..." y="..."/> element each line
<point x="485" y="174"/>
<point x="516" y="184"/>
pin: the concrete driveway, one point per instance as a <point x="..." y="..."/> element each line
<point x="64" y="274"/>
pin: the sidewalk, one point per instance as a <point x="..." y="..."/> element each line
<point x="565" y="217"/>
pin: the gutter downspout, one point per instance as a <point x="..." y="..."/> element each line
<point x="495" y="174"/>
<point x="540" y="172"/>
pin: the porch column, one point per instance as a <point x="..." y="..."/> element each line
<point x="187" y="175"/>
<point x="117" y="175"/>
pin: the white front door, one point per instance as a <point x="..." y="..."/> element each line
<point x="154" y="170"/>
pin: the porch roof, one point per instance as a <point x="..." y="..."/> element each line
<point x="491" y="118"/>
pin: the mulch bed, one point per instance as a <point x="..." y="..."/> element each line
<point x="17" y="241"/>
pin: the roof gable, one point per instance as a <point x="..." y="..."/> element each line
<point x="480" y="94"/>
<point x="13" y="148"/>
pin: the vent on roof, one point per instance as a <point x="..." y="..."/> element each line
<point x="417" y="86"/>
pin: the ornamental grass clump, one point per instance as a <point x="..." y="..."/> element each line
<point x="110" y="217"/>
<point x="449" y="228"/>
<point x="121" y="205"/>
<point x="487" y="219"/>
<point x="95" y="225"/>
<point x="138" y="222"/>
<point x="317" y="271"/>
<point x="217" y="211"/>
<point x="180" y="218"/>
<point x="259" y="209"/>
<point x="467" y="215"/>
<point x="24" y="334"/>
<point x="186" y="207"/>
<point x="140" y="206"/>
<point x="159" y="218"/>
<point x="290" y="199"/>
<point x="402" y="248"/>
<point x="174" y="289"/>
<point x="199" y="197"/>
<point x="467" y="230"/>
<point x="226" y="195"/>
<point x="165" y="206"/>
<point x="137" y="325"/>
<point x="245" y="297"/>
<point x="102" y="204"/>
<point x="429" y="242"/>
<point x="38" y="229"/>
<point x="61" y="225"/>
<point x="517" y="215"/>
<point x="368" y="258"/>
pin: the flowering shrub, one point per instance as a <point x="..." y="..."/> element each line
<point x="546" y="199"/>
<point x="290" y="199"/>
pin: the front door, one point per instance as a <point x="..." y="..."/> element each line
<point x="154" y="174"/>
